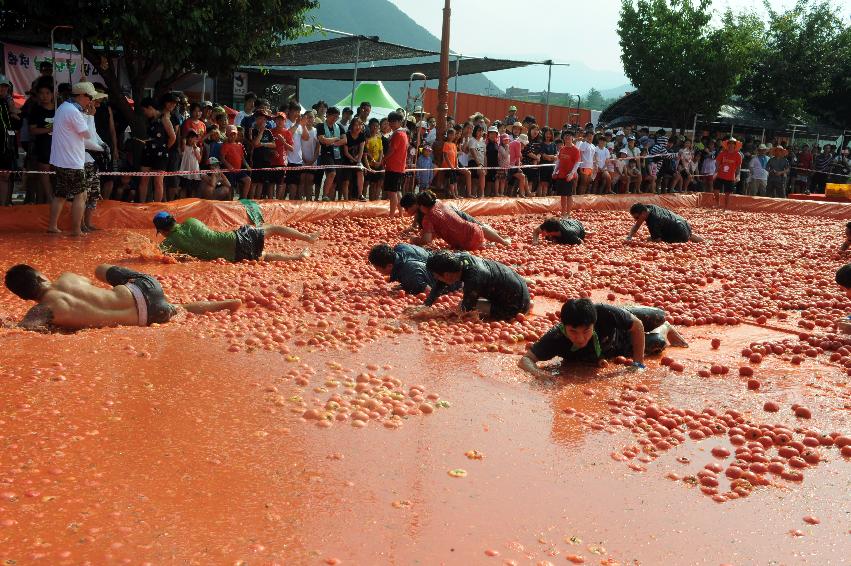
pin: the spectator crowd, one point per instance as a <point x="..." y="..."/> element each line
<point x="212" y="152"/>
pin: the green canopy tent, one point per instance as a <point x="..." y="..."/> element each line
<point x="374" y="93"/>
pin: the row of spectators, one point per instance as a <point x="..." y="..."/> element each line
<point x="222" y="154"/>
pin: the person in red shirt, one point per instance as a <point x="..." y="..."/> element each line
<point x="728" y="164"/>
<point x="394" y="162"/>
<point x="802" y="170"/>
<point x="232" y="156"/>
<point x="440" y="219"/>
<point x="564" y="176"/>
<point x="194" y="122"/>
<point x="283" y="144"/>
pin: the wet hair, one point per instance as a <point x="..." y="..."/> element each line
<point x="637" y="208"/>
<point x="382" y="255"/>
<point x="444" y="262"/>
<point x="408" y="200"/>
<point x="578" y="312"/>
<point x="843" y="276"/>
<point x="23" y="281"/>
<point x="333" y="111"/>
<point x="551" y="225"/>
<point x="427" y="199"/>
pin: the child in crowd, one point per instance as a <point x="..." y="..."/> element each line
<point x="190" y="160"/>
<point x="234" y="162"/>
<point x="425" y="166"/>
<point x="504" y="164"/>
<point x="450" y="161"/>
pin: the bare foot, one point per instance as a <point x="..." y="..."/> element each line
<point x="675" y="338"/>
<point x="54" y="231"/>
<point x="232" y="305"/>
<point x="305" y="253"/>
<point x="79" y="234"/>
<point x="507" y="241"/>
<point x="313" y="237"/>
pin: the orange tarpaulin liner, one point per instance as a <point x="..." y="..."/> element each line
<point x="219" y="214"/>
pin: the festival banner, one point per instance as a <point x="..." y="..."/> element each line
<point x="22" y="65"/>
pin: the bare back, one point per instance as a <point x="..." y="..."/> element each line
<point x="74" y="302"/>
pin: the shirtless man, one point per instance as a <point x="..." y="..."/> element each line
<point x="73" y="302"/>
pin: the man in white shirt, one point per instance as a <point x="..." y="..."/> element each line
<point x="587" y="152"/>
<point x="68" y="156"/>
<point x="759" y="173"/>
<point x="309" y="155"/>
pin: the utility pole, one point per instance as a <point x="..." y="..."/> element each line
<point x="443" y="84"/>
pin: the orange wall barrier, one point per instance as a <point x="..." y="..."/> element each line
<point x="497" y="108"/>
<point x="218" y="214"/>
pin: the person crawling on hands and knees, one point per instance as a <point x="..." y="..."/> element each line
<point x="595" y="333"/>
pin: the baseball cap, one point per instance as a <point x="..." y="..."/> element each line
<point x="512" y="108"/>
<point x="517" y="125"/>
<point x="493" y="129"/>
<point x="5" y="81"/>
<point x="762" y="146"/>
<point x="163" y="221"/>
<point x="213" y="161"/>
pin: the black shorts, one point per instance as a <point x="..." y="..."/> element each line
<point x="491" y="175"/>
<point x="564" y="188"/>
<point x="258" y="176"/>
<point x="512" y="306"/>
<point x="192" y="186"/>
<point x="373" y="177"/>
<point x="234" y="177"/>
<point x="651" y="318"/>
<point x="724" y="185"/>
<point x="473" y="166"/>
<point x="155" y="162"/>
<point x="513" y="171"/>
<point x="452" y="176"/>
<point x="533" y="174"/>
<point x="329" y="160"/>
<point x="393" y="181"/>
<point x="158" y="308"/>
<point x="250" y="241"/>
<point x="545" y="174"/>
<point x="293" y="176"/>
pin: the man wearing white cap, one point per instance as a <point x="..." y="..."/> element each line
<point x="759" y="173"/>
<point x="68" y="156"/>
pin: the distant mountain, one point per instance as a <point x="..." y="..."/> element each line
<point x="617" y="91"/>
<point x="389" y="23"/>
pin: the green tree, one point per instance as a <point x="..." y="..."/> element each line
<point x="680" y="63"/>
<point x="803" y="57"/>
<point x="163" y="40"/>
<point x="594" y="99"/>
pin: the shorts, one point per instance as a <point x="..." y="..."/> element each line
<point x="373" y="177"/>
<point x="250" y="241"/>
<point x="512" y="306"/>
<point x="235" y="177"/>
<point x="393" y="181"/>
<point x="151" y="303"/>
<point x="350" y="175"/>
<point x="725" y="185"/>
<point x="258" y="176"/>
<point x="192" y="186"/>
<point x="586" y="171"/>
<point x="452" y="177"/>
<point x="545" y="174"/>
<point x="92" y="184"/>
<point x="513" y="171"/>
<point x="155" y="162"/>
<point x="533" y="174"/>
<point x="565" y="188"/>
<point x="8" y="160"/>
<point x="329" y="160"/>
<point x="491" y="175"/>
<point x="652" y="318"/>
<point x="293" y="176"/>
<point x="69" y="182"/>
<point x="475" y="172"/>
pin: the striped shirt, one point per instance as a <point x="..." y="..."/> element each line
<point x="822" y="161"/>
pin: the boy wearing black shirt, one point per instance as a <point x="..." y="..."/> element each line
<point x="560" y="231"/>
<point x="664" y="225"/>
<point x="593" y="333"/>
<point x="490" y="288"/>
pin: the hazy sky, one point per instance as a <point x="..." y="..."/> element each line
<point x="581" y="30"/>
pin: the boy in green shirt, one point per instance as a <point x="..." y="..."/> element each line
<point x="192" y="237"/>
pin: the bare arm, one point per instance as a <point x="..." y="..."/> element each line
<point x="100" y="271"/>
<point x="528" y="364"/>
<point x="635" y="228"/>
<point x="112" y="133"/>
<point x="536" y="233"/>
<point x="636" y="333"/>
<point x="37" y="319"/>
<point x="169" y="130"/>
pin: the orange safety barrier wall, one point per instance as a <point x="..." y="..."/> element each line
<point x="219" y="214"/>
<point x="496" y="108"/>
